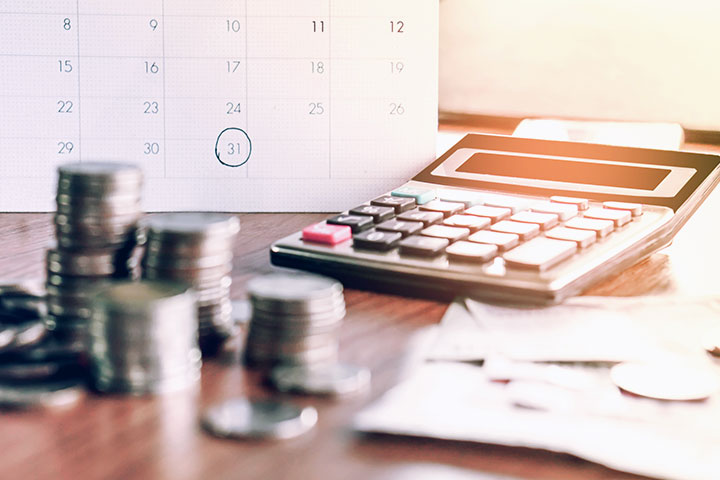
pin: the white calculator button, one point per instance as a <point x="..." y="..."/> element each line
<point x="453" y="234"/>
<point x="495" y="214"/>
<point x="635" y="209"/>
<point x="504" y="241"/>
<point x="620" y="217"/>
<point x="565" y="211"/>
<point x="515" y="204"/>
<point x="446" y="208"/>
<point x="468" y="221"/>
<point x="540" y="253"/>
<point x="583" y="238"/>
<point x="525" y="231"/>
<point x="580" y="203"/>
<point x="545" y="220"/>
<point x="472" y="252"/>
<point x="469" y="199"/>
<point x="601" y="227"/>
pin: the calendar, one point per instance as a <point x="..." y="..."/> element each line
<point x="230" y="105"/>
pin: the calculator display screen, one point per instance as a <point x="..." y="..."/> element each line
<point x="520" y="166"/>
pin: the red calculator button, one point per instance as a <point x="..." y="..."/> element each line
<point x="324" y="233"/>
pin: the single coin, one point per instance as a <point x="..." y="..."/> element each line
<point x="30" y="287"/>
<point x="240" y="418"/>
<point x="335" y="379"/>
<point x="7" y="337"/>
<point x="192" y="224"/>
<point x="34" y="371"/>
<point x="24" y="305"/>
<point x="293" y="286"/>
<point x="143" y="295"/>
<point x="665" y="381"/>
<point x="29" y="334"/>
<point x="43" y="394"/>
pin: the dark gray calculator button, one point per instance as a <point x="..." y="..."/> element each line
<point x="376" y="240"/>
<point x="400" y="204"/>
<point x="379" y="214"/>
<point x="427" y="218"/>
<point x="423" y="246"/>
<point x="402" y="227"/>
<point x="357" y="223"/>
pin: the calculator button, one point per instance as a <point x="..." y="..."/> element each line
<point x="635" y="209"/>
<point x="423" y="246"/>
<point x="400" y="204"/>
<point x="427" y="218"/>
<point x="565" y="211"/>
<point x="324" y="233"/>
<point x="421" y="195"/>
<point x="540" y="253"/>
<point x="580" y="203"/>
<point x="357" y="223"/>
<point x="469" y="199"/>
<point x="544" y="220"/>
<point x="525" y="231"/>
<point x="620" y="217"/>
<point x="467" y="221"/>
<point x="601" y="227"/>
<point x="446" y="208"/>
<point x="378" y="214"/>
<point x="513" y="203"/>
<point x="495" y="214"/>
<point x="471" y="252"/>
<point x="504" y="241"/>
<point x="583" y="238"/>
<point x="453" y="234"/>
<point x="376" y="240"/>
<point x="402" y="227"/>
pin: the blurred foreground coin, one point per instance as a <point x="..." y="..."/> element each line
<point x="665" y="381"/>
<point x="262" y="419"/>
<point x="333" y="379"/>
<point x="43" y="394"/>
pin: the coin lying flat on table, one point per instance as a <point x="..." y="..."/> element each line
<point x="42" y="394"/>
<point x="240" y="418"/>
<point x="665" y="381"/>
<point x="333" y="379"/>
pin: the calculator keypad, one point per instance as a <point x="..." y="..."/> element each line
<point x="468" y="227"/>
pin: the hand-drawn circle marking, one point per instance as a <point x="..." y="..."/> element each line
<point x="232" y="131"/>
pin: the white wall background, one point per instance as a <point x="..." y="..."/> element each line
<point x="646" y="60"/>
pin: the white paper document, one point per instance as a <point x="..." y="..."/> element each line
<point x="233" y="105"/>
<point x="545" y="382"/>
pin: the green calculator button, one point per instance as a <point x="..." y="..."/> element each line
<point x="421" y="195"/>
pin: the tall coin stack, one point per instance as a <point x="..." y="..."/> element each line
<point x="196" y="248"/>
<point x="98" y="206"/>
<point x="296" y="319"/>
<point x="143" y="338"/>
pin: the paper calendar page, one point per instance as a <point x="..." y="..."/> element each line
<point x="233" y="105"/>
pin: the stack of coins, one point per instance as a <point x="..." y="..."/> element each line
<point x="98" y="206"/>
<point x="296" y="319"/>
<point x="143" y="338"/>
<point x="196" y="248"/>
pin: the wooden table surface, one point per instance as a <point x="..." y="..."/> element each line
<point x="160" y="438"/>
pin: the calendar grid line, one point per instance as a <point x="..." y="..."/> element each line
<point x="247" y="89"/>
<point x="330" y="71"/>
<point x="79" y="97"/>
<point x="164" y="103"/>
<point x="205" y="57"/>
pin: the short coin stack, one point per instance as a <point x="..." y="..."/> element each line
<point x="143" y="338"/>
<point x="98" y="206"/>
<point x="296" y="319"/>
<point x="196" y="248"/>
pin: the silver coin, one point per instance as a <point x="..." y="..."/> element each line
<point x="87" y="263"/>
<point x="335" y="379"/>
<point x="668" y="381"/>
<point x="29" y="334"/>
<point x="30" y="287"/>
<point x="7" y="337"/>
<point x="99" y="173"/>
<point x="43" y="394"/>
<point x="240" y="418"/>
<point x="294" y="292"/>
<point x="192" y="224"/>
<point x="144" y="295"/>
<point x="24" y="305"/>
<point x="34" y="371"/>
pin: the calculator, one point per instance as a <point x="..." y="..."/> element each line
<point x="509" y="219"/>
